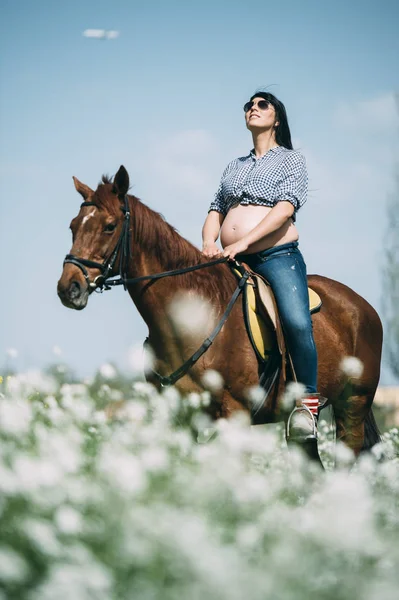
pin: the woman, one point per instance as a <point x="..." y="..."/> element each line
<point x="254" y="210"/>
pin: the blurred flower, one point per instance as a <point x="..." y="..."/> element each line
<point x="155" y="459"/>
<point x="255" y="395"/>
<point x="15" y="416"/>
<point x="103" y="505"/>
<point x="133" y="411"/>
<point x="141" y="359"/>
<point x="191" y="314"/>
<point x="123" y="469"/>
<point x="13" y="567"/>
<point x="68" y="520"/>
<point x="107" y="371"/>
<point x="42" y="535"/>
<point x="30" y="382"/>
<point x="344" y="456"/>
<point x="194" y="400"/>
<point x="351" y="366"/>
<point x="294" y="391"/>
<point x="212" y="380"/>
<point x="57" y="351"/>
<point x="12" y="352"/>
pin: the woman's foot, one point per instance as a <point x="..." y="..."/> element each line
<point x="302" y="425"/>
<point x="302" y="422"/>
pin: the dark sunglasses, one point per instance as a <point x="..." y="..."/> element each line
<point x="262" y="104"/>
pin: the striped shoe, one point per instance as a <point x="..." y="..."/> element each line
<point x="302" y="422"/>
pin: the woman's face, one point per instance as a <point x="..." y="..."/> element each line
<point x="260" y="119"/>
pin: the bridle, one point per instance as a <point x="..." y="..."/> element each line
<point x="106" y="267"/>
<point x="104" y="282"/>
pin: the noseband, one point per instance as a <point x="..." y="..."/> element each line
<point x="106" y="267"/>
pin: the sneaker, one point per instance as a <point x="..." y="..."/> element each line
<point x="302" y="422"/>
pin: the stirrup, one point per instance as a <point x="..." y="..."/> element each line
<point x="303" y="436"/>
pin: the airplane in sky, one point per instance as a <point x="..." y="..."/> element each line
<point x="101" y="34"/>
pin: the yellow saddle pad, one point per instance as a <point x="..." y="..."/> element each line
<point x="260" y="331"/>
<point x="260" y="314"/>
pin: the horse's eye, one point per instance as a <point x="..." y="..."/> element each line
<point x="110" y="227"/>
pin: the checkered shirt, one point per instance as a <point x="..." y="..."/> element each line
<point x="278" y="175"/>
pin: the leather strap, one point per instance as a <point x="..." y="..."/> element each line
<point x="176" y="375"/>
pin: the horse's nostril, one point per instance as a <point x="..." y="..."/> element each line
<point x="74" y="290"/>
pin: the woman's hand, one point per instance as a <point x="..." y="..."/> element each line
<point x="234" y="249"/>
<point x="211" y="250"/>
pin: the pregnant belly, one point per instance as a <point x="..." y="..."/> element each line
<point x="241" y="219"/>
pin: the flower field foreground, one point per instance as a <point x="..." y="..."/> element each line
<point x="102" y="499"/>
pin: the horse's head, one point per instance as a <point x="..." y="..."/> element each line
<point x="97" y="233"/>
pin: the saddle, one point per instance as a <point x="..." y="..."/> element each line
<point x="263" y="324"/>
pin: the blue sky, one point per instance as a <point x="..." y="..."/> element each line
<point x="165" y="99"/>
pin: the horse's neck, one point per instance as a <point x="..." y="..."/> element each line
<point x="157" y="247"/>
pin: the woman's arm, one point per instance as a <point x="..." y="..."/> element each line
<point x="210" y="233"/>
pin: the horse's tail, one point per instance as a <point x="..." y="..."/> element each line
<point x="372" y="434"/>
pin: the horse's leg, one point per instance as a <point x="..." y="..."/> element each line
<point x="350" y="415"/>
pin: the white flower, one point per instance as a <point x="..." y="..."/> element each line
<point x="107" y="371"/>
<point x="51" y="402"/>
<point x="344" y="456"/>
<point x="141" y="359"/>
<point x="12" y="352"/>
<point x="123" y="469"/>
<point x="194" y="400"/>
<point x="294" y="391"/>
<point x="41" y="533"/>
<point x="171" y="396"/>
<point x="205" y="399"/>
<point x="340" y="515"/>
<point x="13" y="568"/>
<point x="212" y="380"/>
<point x="15" y="416"/>
<point x="134" y="411"/>
<point x="57" y="350"/>
<point x="144" y="389"/>
<point x="99" y="417"/>
<point x="68" y="520"/>
<point x="248" y="535"/>
<point x="33" y="473"/>
<point x="352" y="366"/>
<point x="201" y="421"/>
<point x="155" y="459"/>
<point x="255" y="395"/>
<point x="30" y="382"/>
<point x="83" y="580"/>
<point x="191" y="314"/>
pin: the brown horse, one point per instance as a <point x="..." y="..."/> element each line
<point x="346" y="324"/>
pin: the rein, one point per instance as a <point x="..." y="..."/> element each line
<point x="103" y="282"/>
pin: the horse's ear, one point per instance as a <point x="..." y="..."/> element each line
<point x="82" y="188"/>
<point x="121" y="182"/>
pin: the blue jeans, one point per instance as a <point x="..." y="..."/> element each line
<point x="285" y="269"/>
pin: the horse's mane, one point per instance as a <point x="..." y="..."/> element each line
<point x="157" y="237"/>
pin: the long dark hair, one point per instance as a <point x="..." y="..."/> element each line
<point x="283" y="134"/>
